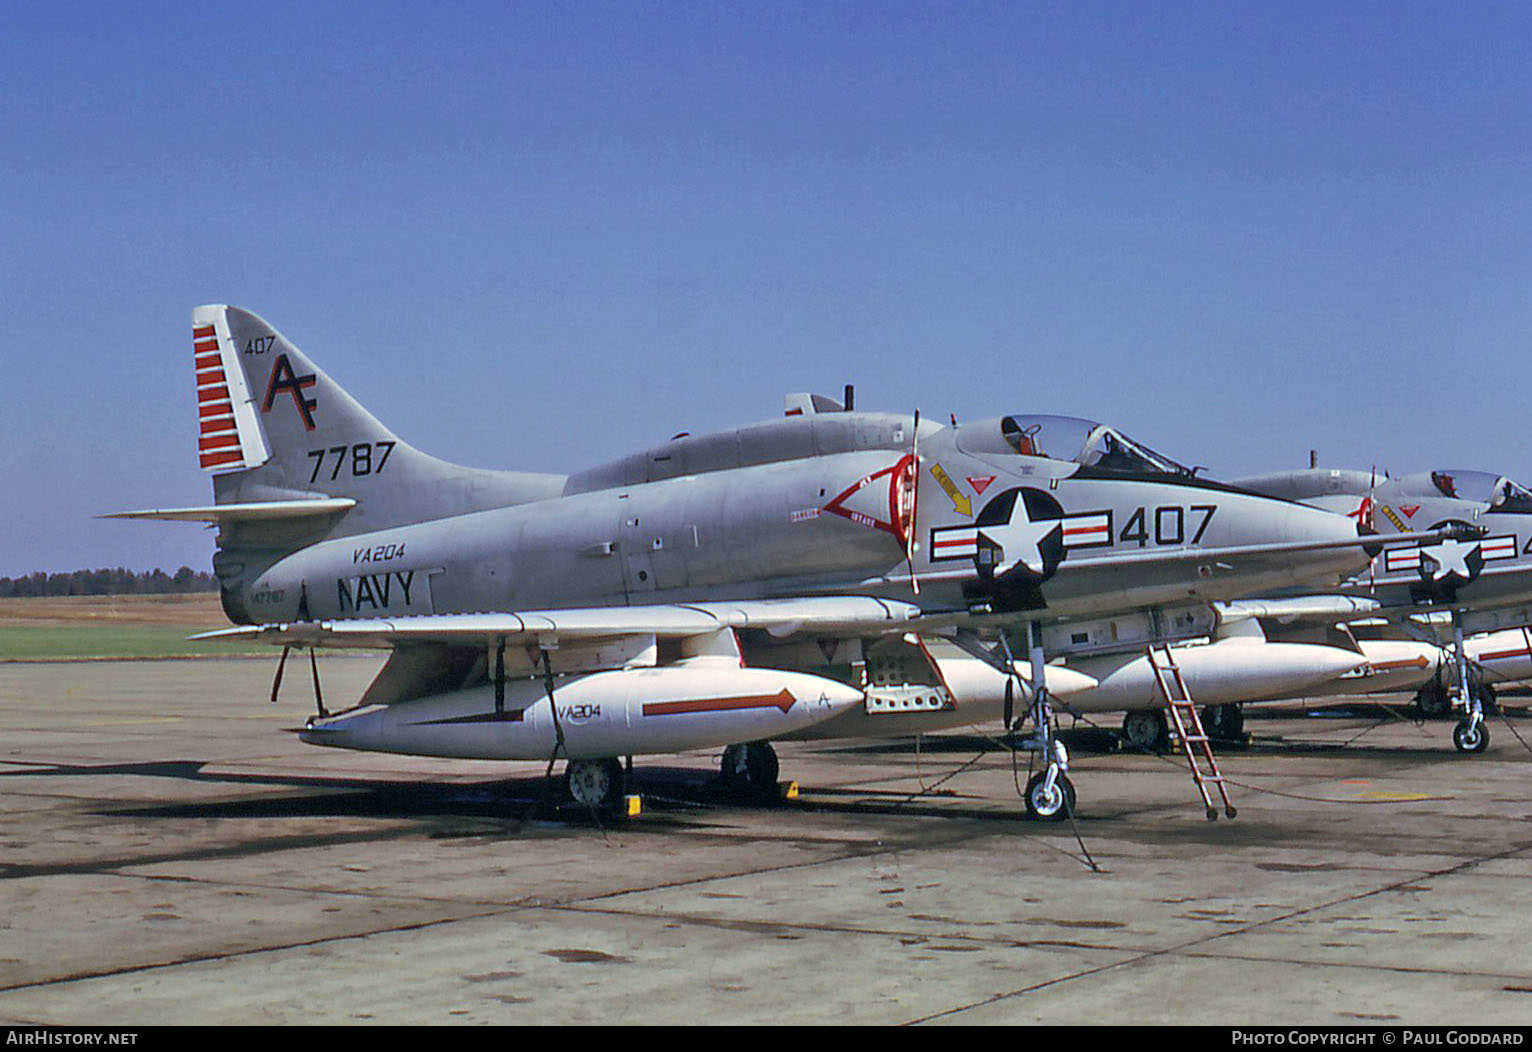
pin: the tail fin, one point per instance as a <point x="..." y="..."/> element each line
<point x="265" y="407"/>
<point x="274" y="427"/>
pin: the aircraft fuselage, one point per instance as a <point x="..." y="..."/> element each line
<point x="682" y="523"/>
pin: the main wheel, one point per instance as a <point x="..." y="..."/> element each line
<point x="1431" y="701"/>
<point x="1225" y="724"/>
<point x="1146" y="730"/>
<point x="595" y="783"/>
<point x="1046" y="805"/>
<point x="751" y="768"/>
<point x="1470" y="738"/>
<point x="1488" y="700"/>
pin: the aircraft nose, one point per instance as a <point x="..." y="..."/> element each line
<point x="1305" y="525"/>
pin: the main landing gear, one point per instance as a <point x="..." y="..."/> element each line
<point x="1225" y="724"/>
<point x="750" y="770"/>
<point x="595" y="783"/>
<point x="598" y="784"/>
<point x="1146" y="730"/>
<point x="1432" y="702"/>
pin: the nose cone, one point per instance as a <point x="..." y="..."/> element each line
<point x="361" y="730"/>
<point x="805" y="700"/>
<point x="1303" y="523"/>
<point x="1334" y="554"/>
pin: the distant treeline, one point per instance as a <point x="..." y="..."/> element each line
<point x="107" y="582"/>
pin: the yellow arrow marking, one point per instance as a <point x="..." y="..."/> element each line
<point x="960" y="502"/>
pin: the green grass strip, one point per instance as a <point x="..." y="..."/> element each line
<point x="47" y="643"/>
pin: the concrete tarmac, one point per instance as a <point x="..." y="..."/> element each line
<point x="170" y="853"/>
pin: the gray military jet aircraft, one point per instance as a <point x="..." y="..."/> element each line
<point x="1476" y="583"/>
<point x="714" y="590"/>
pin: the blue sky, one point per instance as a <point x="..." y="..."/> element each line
<point x="542" y="235"/>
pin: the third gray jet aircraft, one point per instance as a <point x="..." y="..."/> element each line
<point x="1477" y="581"/>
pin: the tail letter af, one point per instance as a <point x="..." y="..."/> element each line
<point x="283" y="379"/>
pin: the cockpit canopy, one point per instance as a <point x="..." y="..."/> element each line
<point x="1483" y="487"/>
<point x="1085" y="442"/>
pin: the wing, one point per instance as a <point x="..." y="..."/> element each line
<point x="551" y="628"/>
<point x="440" y="652"/>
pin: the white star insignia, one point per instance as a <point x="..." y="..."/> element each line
<point x="1451" y="557"/>
<point x="1019" y="540"/>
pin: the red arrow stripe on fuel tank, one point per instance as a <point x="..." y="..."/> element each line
<point x="1387" y="666"/>
<point x="782" y="700"/>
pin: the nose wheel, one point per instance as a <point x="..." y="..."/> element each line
<point x="1049" y="795"/>
<point x="1050" y="799"/>
<point x="1470" y="735"/>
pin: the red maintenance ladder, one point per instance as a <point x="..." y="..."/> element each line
<point x="1188" y="728"/>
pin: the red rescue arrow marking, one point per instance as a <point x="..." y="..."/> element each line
<point x="782" y="700"/>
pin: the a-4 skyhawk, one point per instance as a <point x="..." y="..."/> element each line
<point x="1478" y="581"/>
<point x="827" y="572"/>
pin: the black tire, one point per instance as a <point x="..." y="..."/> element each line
<point x="1431" y="701"/>
<point x="1225" y="724"/>
<point x="1054" y="807"/>
<point x="1469" y="738"/>
<point x="1488" y="700"/>
<point x="750" y="769"/>
<point x="1146" y="730"/>
<point x="595" y="783"/>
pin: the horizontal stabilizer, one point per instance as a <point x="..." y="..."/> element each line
<point x="262" y="509"/>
